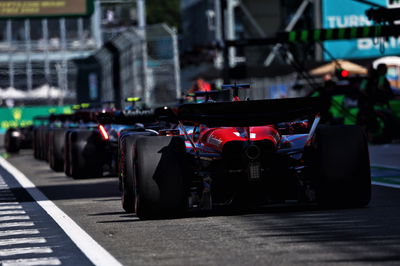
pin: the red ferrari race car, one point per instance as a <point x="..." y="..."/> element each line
<point x="250" y="152"/>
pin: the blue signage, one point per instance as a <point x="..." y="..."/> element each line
<point x="349" y="13"/>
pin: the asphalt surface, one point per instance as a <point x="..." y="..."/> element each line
<point x="283" y="235"/>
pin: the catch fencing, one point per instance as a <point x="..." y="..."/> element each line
<point x="137" y="63"/>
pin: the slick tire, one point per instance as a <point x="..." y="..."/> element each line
<point x="161" y="179"/>
<point x="56" y="149"/>
<point x="12" y="140"/>
<point x="127" y="170"/>
<point x="67" y="153"/>
<point x="35" y="143"/>
<point x="342" y="167"/>
<point x="86" y="150"/>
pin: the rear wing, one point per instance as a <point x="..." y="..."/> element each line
<point x="127" y="118"/>
<point x="244" y="113"/>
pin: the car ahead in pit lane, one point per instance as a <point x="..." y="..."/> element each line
<point x="131" y="124"/>
<point x="17" y="138"/>
<point x="92" y="150"/>
<point x="52" y="140"/>
<point x="89" y="147"/>
<point x="248" y="152"/>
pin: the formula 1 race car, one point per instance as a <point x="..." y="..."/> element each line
<point x="132" y="124"/>
<point x="248" y="152"/>
<point x="17" y="138"/>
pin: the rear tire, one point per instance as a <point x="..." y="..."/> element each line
<point x="161" y="177"/>
<point x="12" y="143"/>
<point x="127" y="169"/>
<point x="56" y="149"/>
<point x="86" y="154"/>
<point x="67" y="153"/>
<point x="341" y="166"/>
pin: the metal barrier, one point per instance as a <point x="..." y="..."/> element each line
<point x="138" y="63"/>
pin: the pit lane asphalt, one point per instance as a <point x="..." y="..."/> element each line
<point x="265" y="236"/>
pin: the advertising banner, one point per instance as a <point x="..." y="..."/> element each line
<point x="349" y="13"/>
<point x="23" y="116"/>
<point x="45" y="8"/>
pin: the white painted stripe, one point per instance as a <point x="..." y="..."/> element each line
<point x="386" y="166"/>
<point x="385" y="184"/>
<point x="95" y="253"/>
<point x="8" y="198"/>
<point x="31" y="262"/>
<point x="12" y="212"/>
<point x="13" y="218"/>
<point x="9" y="203"/>
<point x="17" y="241"/>
<point x="19" y="232"/>
<point x="20" y="224"/>
<point x="6" y="195"/>
<point x="10" y="207"/>
<point x="20" y="251"/>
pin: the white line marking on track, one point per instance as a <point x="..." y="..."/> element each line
<point x="9" y="203"/>
<point x="32" y="262"/>
<point x="12" y="212"/>
<point x="20" y="224"/>
<point x="386" y="166"/>
<point x="385" y="184"/>
<point x="95" y="253"/>
<point x="11" y="218"/>
<point x="20" y="251"/>
<point x="10" y="207"/>
<point x="7" y="198"/>
<point x="19" y="232"/>
<point x="17" y="241"/>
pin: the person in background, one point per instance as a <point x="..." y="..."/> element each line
<point x="199" y="85"/>
<point x="325" y="94"/>
<point x="383" y="92"/>
<point x="375" y="91"/>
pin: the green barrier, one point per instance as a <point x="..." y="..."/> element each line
<point x="349" y="115"/>
<point x="23" y="116"/>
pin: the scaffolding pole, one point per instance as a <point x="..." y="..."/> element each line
<point x="141" y="13"/>
<point x="45" y="31"/>
<point x="63" y="66"/>
<point x="27" y="28"/>
<point x="289" y="27"/>
<point x="10" y="55"/>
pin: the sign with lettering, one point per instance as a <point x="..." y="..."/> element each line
<point x="348" y="13"/>
<point x="45" y="8"/>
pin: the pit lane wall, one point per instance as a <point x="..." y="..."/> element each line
<point x="23" y="116"/>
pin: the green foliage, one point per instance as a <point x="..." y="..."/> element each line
<point x="164" y="11"/>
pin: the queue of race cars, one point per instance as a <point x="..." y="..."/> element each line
<point x="213" y="154"/>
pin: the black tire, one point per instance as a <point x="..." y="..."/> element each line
<point x="67" y="153"/>
<point x="341" y="166"/>
<point x="126" y="168"/>
<point x="35" y="143"/>
<point x="12" y="142"/>
<point x="39" y="146"/>
<point x="56" y="149"/>
<point x="42" y="135"/>
<point x="86" y="154"/>
<point x="46" y="143"/>
<point x="161" y="177"/>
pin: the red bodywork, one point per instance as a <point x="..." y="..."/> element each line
<point x="216" y="138"/>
